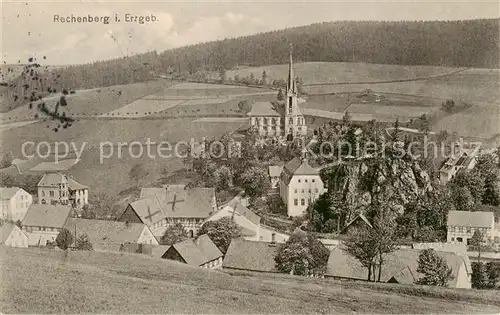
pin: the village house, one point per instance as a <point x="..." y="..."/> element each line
<point x="160" y="208"/>
<point x="249" y="222"/>
<point x="275" y="122"/>
<point x="398" y="267"/>
<point x="201" y="252"/>
<point x="462" y="225"/>
<point x="58" y="188"/>
<point x="461" y="160"/>
<point x="43" y="222"/>
<point x="110" y="235"/>
<point x="300" y="185"/>
<point x="14" y="203"/>
<point x="251" y="256"/>
<point x="11" y="235"/>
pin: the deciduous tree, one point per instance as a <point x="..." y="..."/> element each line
<point x="221" y="232"/>
<point x="138" y="172"/>
<point x="174" y="234"/>
<point x="434" y="268"/>
<point x="64" y="239"/>
<point x="83" y="242"/>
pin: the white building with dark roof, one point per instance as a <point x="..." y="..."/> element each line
<point x="14" y="203"/>
<point x="160" y="208"/>
<point x="462" y="225"/>
<point x="58" y="188"/>
<point x="278" y="121"/>
<point x="465" y="159"/>
<point x="300" y="185"/>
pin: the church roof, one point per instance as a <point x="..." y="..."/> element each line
<point x="263" y="109"/>
<point x="291" y="86"/>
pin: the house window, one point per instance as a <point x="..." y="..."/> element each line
<point x="51" y="193"/>
<point x="299" y="180"/>
<point x="295" y="190"/>
<point x="468" y="230"/>
<point x="313" y="180"/>
<point x="309" y="190"/>
<point x="305" y="180"/>
<point x="461" y="229"/>
<point x="317" y="191"/>
<point x="459" y="239"/>
<point x="302" y="191"/>
<point x="43" y="193"/>
<point x="302" y="202"/>
<point x="295" y="202"/>
<point x="290" y="121"/>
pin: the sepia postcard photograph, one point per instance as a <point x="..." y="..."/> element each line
<point x="250" y="157"/>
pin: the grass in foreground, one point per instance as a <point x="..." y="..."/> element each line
<point x="44" y="281"/>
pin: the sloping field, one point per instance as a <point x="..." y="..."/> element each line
<point x="144" y="107"/>
<point x="470" y="85"/>
<point x="390" y="111"/>
<point x="93" y="102"/>
<point x="478" y="121"/>
<point x="338" y="72"/>
<point x="43" y="281"/>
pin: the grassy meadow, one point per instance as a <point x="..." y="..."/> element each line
<point x="47" y="281"/>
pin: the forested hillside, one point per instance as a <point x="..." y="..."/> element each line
<point x="468" y="43"/>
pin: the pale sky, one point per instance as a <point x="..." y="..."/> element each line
<point x="28" y="28"/>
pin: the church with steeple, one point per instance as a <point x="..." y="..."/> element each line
<point x="281" y="121"/>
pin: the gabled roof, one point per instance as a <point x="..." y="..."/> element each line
<point x="159" y="250"/>
<point x="148" y="209"/>
<point x="208" y="248"/>
<point x="52" y="179"/>
<point x="470" y="219"/>
<point x="275" y="170"/>
<point x="103" y="234"/>
<point x="401" y="265"/>
<point x="263" y="109"/>
<point x="6" y="230"/>
<point x="47" y="215"/>
<point x="174" y="202"/>
<point x="239" y="209"/>
<point x="6" y="193"/>
<point x="358" y="217"/>
<point x="298" y="167"/>
<point x="74" y="185"/>
<point x="252" y="256"/>
<point x="199" y="251"/>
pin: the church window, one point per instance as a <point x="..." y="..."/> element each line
<point x="295" y="202"/>
<point x="191" y="233"/>
<point x="302" y="202"/>
<point x="290" y="121"/>
<point x="290" y="100"/>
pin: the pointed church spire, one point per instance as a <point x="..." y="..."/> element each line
<point x="291" y="84"/>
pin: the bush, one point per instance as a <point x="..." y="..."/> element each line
<point x="64" y="239"/>
<point x="436" y="271"/>
<point x="83" y="242"/>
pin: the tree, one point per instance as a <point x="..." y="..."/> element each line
<point x="493" y="272"/>
<point x="397" y="131"/>
<point x="281" y="95"/>
<point x="434" y="268"/>
<point x="174" y="234"/>
<point x="64" y="239"/>
<point x="448" y="106"/>
<point x="244" y="106"/>
<point x="276" y="205"/>
<point x="384" y="233"/>
<point x="302" y="254"/>
<point x="138" y="172"/>
<point x="221" y="232"/>
<point x="479" y="277"/>
<point x="255" y="181"/>
<point x="476" y="241"/>
<point x="442" y="136"/>
<point x="346" y="118"/>
<point x="264" y="78"/>
<point x="361" y="245"/>
<point x="83" y="242"/>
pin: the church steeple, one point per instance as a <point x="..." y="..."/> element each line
<point x="291" y="84"/>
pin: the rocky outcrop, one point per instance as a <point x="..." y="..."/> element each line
<point x="356" y="182"/>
